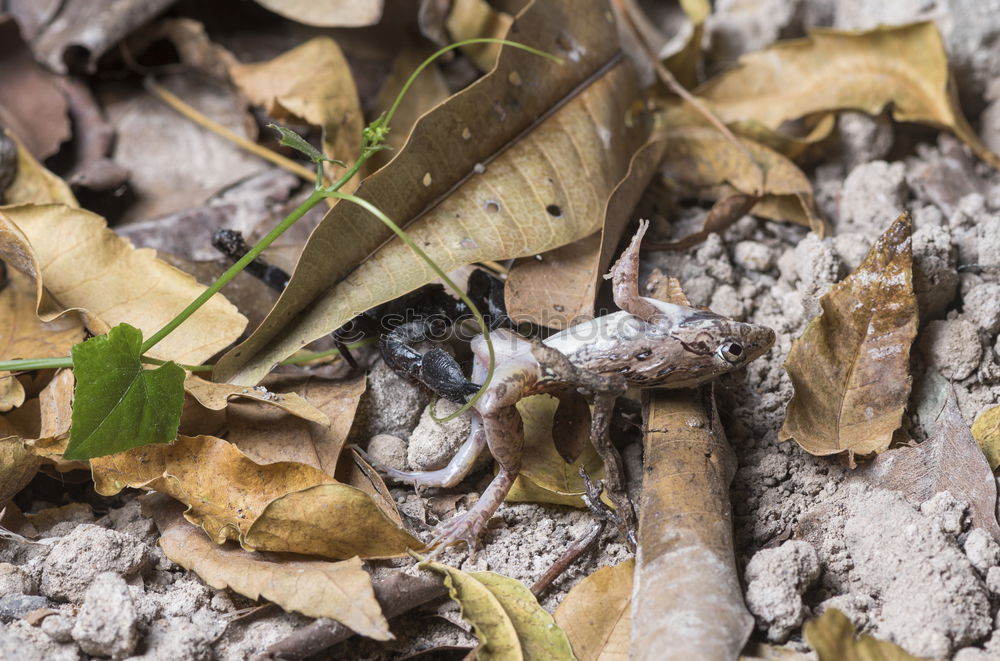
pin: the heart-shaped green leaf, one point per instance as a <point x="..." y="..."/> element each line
<point x="119" y="405"/>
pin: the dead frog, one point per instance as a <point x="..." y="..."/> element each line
<point x="648" y="344"/>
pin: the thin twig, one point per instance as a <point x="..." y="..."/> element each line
<point x="197" y="117"/>
<point x="568" y="557"/>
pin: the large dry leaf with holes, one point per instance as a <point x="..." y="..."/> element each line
<point x="328" y="14"/>
<point x="79" y="264"/>
<point x="284" y="506"/>
<point x="851" y="366"/>
<point x="521" y="162"/>
<point x="949" y="460"/>
<point x="597" y="614"/>
<point x="341" y="591"/>
<point x="312" y="83"/>
<point x="904" y="67"/>
<point x="24" y="335"/>
<point x="833" y="637"/>
<point x="687" y="602"/>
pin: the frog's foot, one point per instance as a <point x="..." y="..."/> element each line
<point x="469" y="527"/>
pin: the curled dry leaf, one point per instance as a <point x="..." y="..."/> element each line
<point x="986" y="431"/>
<point x="597" y="613"/>
<point x="341" y="591"/>
<point x="904" y="67"/>
<point x="507" y="619"/>
<point x="18" y="464"/>
<point x="526" y="170"/>
<point x="949" y="460"/>
<point x="330" y="14"/>
<point x="833" y="637"/>
<point x="850" y="368"/>
<point x="311" y="82"/>
<point x="545" y="476"/>
<point x="33" y="184"/>
<point x="216" y="396"/>
<point x="687" y="602"/>
<point x="65" y="248"/>
<point x="283" y="506"/>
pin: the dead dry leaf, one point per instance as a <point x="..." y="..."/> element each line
<point x="313" y="83"/>
<point x="986" y="431"/>
<point x="527" y="171"/>
<point x="850" y="368"/>
<point x="18" y="464"/>
<point x="33" y="184"/>
<point x="475" y="19"/>
<point x="341" y="591"/>
<point x="64" y="248"/>
<point x="949" y="460"/>
<point x="283" y="506"/>
<point x="687" y="601"/>
<point x="328" y="14"/>
<point x="904" y="67"/>
<point x="833" y="637"/>
<point x="216" y="396"/>
<point x="597" y="614"/>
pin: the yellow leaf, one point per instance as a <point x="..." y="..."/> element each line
<point x="328" y="14"/>
<point x="283" y="506"/>
<point x="904" y="67"/>
<point x="341" y="591"/>
<point x="833" y="637"/>
<point x="33" y="184"/>
<point x="986" y="431"/>
<point x="79" y="264"/>
<point x="520" y="162"/>
<point x="215" y="396"/>
<point x="597" y="614"/>
<point x="850" y="367"/>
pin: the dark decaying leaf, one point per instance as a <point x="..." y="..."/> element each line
<point x="949" y="460"/>
<point x="850" y="367"/>
<point x="520" y="162"/>
<point x="118" y="404"/>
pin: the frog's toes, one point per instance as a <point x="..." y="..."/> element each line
<point x="467" y="527"/>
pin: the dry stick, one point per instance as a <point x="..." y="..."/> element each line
<point x="397" y="594"/>
<point x="198" y="118"/>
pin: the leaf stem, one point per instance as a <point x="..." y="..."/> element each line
<point x="405" y="238"/>
<point x="28" y="364"/>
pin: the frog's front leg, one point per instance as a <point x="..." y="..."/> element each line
<point x="505" y="437"/>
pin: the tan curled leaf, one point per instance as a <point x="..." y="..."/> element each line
<point x="216" y="396"/>
<point x="18" y="465"/>
<point x="850" y="368"/>
<point x="949" y="460"/>
<point x="283" y="506"/>
<point x="33" y="184"/>
<point x="986" y="431"/>
<point x="904" y="67"/>
<point x="268" y="435"/>
<point x="328" y="14"/>
<point x="482" y="609"/>
<point x="520" y="162"/>
<point x="341" y="591"/>
<point x="474" y="19"/>
<point x="545" y="476"/>
<point x="833" y="637"/>
<point x="311" y="82"/>
<point x="82" y="265"/>
<point x="687" y="599"/>
<point x="597" y="614"/>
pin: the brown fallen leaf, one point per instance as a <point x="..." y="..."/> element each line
<point x="216" y="396"/>
<point x="341" y="591"/>
<point x="687" y="600"/>
<point x="267" y="435"/>
<point x="313" y="83"/>
<point x="34" y="184"/>
<point x="949" y="460"/>
<point x="18" y="464"/>
<point x="62" y="248"/>
<point x="986" y="431"/>
<point x="474" y="19"/>
<point x="525" y="172"/>
<point x="833" y="637"/>
<point x="904" y="67"/>
<point x="330" y="14"/>
<point x="283" y="506"/>
<point x="545" y="476"/>
<point x="597" y="614"/>
<point x="850" y="367"/>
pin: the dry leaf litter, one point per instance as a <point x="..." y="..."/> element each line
<point x="807" y="537"/>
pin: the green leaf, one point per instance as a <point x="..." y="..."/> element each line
<point x="290" y="138"/>
<point x="118" y="405"/>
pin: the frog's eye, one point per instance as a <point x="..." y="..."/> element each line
<point x="730" y="351"/>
